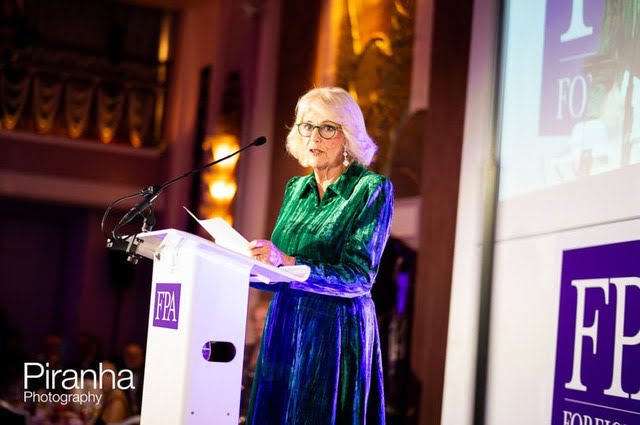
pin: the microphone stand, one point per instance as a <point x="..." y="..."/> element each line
<point x="129" y="244"/>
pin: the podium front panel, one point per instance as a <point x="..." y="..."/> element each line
<point x="195" y="343"/>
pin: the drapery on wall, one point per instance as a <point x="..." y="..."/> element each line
<point x="53" y="104"/>
<point x="87" y="71"/>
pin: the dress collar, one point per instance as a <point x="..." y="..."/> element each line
<point x="343" y="186"/>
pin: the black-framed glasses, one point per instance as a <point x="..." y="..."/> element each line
<point x="326" y="131"/>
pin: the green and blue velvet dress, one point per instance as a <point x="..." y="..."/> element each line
<point x="319" y="359"/>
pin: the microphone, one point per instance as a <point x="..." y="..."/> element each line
<point x="259" y="141"/>
<point x="151" y="193"/>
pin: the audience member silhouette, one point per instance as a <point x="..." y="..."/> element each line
<point x="133" y="359"/>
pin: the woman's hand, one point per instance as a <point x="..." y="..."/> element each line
<point x="267" y="252"/>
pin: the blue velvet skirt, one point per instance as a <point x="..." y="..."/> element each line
<point x="319" y="362"/>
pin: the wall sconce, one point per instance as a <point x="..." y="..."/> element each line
<point x="220" y="180"/>
<point x="223" y="191"/>
<point x="223" y="145"/>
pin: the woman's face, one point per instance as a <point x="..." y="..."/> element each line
<point x="322" y="153"/>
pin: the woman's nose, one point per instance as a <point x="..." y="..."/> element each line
<point x="315" y="135"/>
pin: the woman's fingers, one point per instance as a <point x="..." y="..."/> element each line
<point x="257" y="243"/>
<point x="265" y="251"/>
<point x="257" y="247"/>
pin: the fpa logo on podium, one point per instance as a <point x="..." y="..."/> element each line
<point x="597" y="375"/>
<point x="166" y="305"/>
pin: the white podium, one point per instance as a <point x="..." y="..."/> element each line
<point x="197" y="320"/>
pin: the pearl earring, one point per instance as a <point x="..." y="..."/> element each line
<point x="345" y="162"/>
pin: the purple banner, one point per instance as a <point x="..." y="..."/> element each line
<point x="571" y="40"/>
<point x="597" y="375"/>
<point x="166" y="305"/>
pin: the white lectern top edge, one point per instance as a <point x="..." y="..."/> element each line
<point x="260" y="272"/>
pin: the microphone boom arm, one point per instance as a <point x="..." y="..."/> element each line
<point x="150" y="193"/>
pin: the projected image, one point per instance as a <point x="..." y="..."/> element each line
<point x="571" y="92"/>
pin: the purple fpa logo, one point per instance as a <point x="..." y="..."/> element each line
<point x="597" y="376"/>
<point x="166" y="307"/>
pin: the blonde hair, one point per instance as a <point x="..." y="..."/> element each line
<point x="338" y="106"/>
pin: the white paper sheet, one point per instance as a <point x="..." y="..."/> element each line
<point x="228" y="237"/>
<point x="224" y="235"/>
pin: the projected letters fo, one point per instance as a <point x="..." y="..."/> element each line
<point x="591" y="83"/>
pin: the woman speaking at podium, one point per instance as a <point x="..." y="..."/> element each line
<point x="319" y="360"/>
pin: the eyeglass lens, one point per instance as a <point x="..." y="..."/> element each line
<point x="326" y="131"/>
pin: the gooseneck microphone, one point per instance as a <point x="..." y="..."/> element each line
<point x="150" y="193"/>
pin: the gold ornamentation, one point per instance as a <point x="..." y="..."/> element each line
<point x="139" y="114"/>
<point x="377" y="70"/>
<point x="46" y="99"/>
<point x="110" y="106"/>
<point x="15" y="86"/>
<point x="78" y="99"/>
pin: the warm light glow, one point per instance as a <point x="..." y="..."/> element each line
<point x="221" y="146"/>
<point x="163" y="50"/>
<point x="106" y="135"/>
<point x="163" y="44"/>
<point x="383" y="43"/>
<point x="10" y="122"/>
<point x="208" y="211"/>
<point x="355" y="26"/>
<point x="222" y="150"/>
<point x="135" y="139"/>
<point x="212" y="211"/>
<point x="75" y="130"/>
<point x="228" y="218"/>
<point x="330" y="25"/>
<point x="222" y="190"/>
<point x="159" y="111"/>
<point x="220" y="181"/>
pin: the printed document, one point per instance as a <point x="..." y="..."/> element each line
<point x="228" y="237"/>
